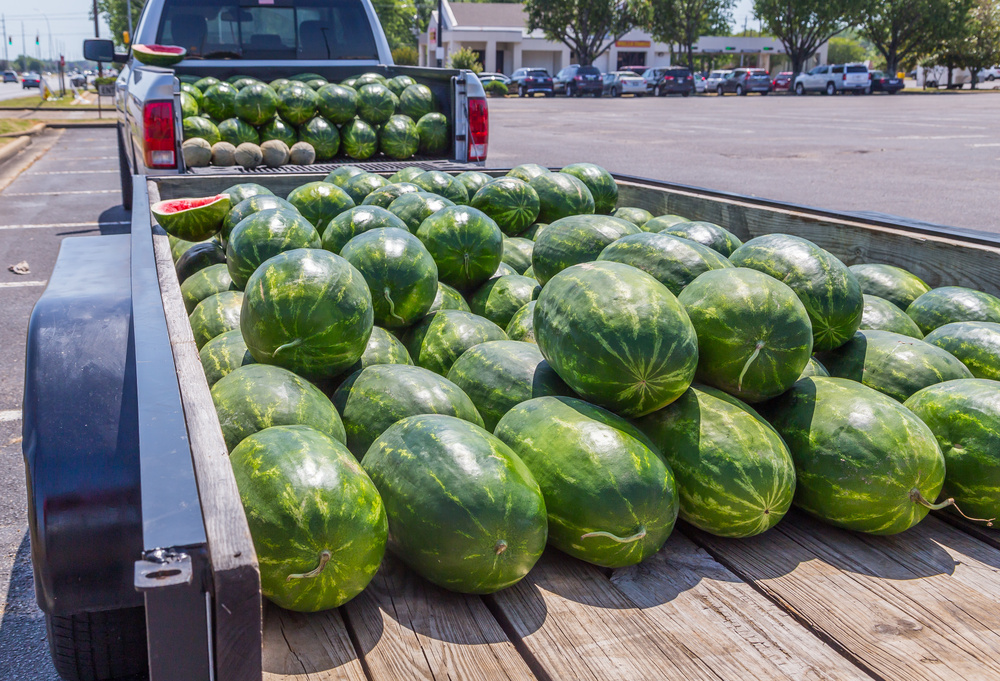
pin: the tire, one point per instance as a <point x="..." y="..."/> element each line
<point x="520" y="91"/>
<point x="991" y="78"/>
<point x="892" y="92"/>
<point x="124" y="173"/>
<point x="615" y="93"/>
<point x="686" y="93"/>
<point x="657" y="92"/>
<point x="831" y="89"/>
<point x="719" y="91"/>
<point x="764" y="93"/>
<point x="550" y="94"/>
<point x="98" y="646"/>
<point x="800" y="89"/>
<point x="569" y="90"/>
<point x="869" y="90"/>
<point x="740" y="91"/>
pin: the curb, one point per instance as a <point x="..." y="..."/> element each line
<point x="11" y="150"/>
<point x="88" y="124"/>
<point x="33" y="130"/>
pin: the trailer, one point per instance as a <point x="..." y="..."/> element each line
<point x="137" y="526"/>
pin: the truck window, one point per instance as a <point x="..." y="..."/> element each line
<point x="296" y="29"/>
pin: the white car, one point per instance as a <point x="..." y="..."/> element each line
<point x="714" y="78"/>
<point x="989" y="74"/>
<point x="618" y="83"/>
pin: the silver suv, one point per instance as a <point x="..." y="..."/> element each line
<point x="833" y="79"/>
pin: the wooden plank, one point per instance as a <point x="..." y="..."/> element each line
<point x="570" y="622"/>
<point x="902" y="618"/>
<point x="407" y="628"/>
<point x="236" y="577"/>
<point x="731" y="627"/>
<point x="313" y="647"/>
<point x="987" y="535"/>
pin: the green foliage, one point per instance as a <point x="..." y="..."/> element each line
<point x="105" y="80"/>
<point x="26" y="64"/>
<point x="844" y="51"/>
<point x="803" y="25"/>
<point x="397" y="18"/>
<point x="972" y="41"/>
<point x="495" y="87"/>
<point x="405" y="55"/>
<point x="465" y="58"/>
<point x="587" y="27"/>
<point x="904" y="31"/>
<point x="684" y="21"/>
<point x="113" y="12"/>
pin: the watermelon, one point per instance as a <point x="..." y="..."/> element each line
<point x="533" y="231"/>
<point x="602" y="186"/>
<point x="278" y="129"/>
<point x="318" y="523"/>
<point x="611" y="500"/>
<point x="178" y="246"/>
<point x="530" y="273"/>
<point x="305" y="77"/>
<point x="399" y="271"/>
<point x="356" y="221"/>
<point x="499" y="375"/>
<point x="244" y="82"/>
<point x="204" y="83"/>
<point x="223" y="355"/>
<point x="863" y="461"/>
<point x="399" y="83"/>
<point x="466" y="244"/>
<point x="617" y="336"/>
<point x="735" y="476"/>
<point x="527" y="172"/>
<point x="197" y="127"/>
<point x="307" y="310"/>
<point x="442" y="184"/>
<point x="573" y="240"/>
<point x="517" y="253"/>
<point x="671" y="260"/>
<point x="511" y="202"/>
<point x="248" y="207"/>
<point x="375" y="103"/>
<point x="448" y="298"/>
<point x="894" y="284"/>
<point x="215" y="315"/>
<point x="417" y="101"/>
<point x="521" y="325"/>
<point x="243" y="191"/>
<point x="204" y="283"/>
<point x="706" y="234"/>
<point x="441" y="337"/>
<point x="256" y="103"/>
<point x="892" y="363"/>
<point x="754" y="335"/>
<point x="975" y="344"/>
<point x="317" y="83"/>
<point x="341" y="175"/>
<point x="406" y="174"/>
<point x="433" y="131"/>
<point x="192" y="219"/>
<point x="471" y="538"/>
<point x="374" y="398"/>
<point x="415" y="207"/>
<point x="637" y="216"/>
<point x="503" y="270"/>
<point x="384" y="196"/>
<point x="159" y="55"/>
<point x="219" y="101"/>
<point x="663" y="223"/>
<point x="473" y="180"/>
<point x="949" y="304"/>
<point x="278" y="83"/>
<point x="337" y="104"/>
<point x="826" y="287"/>
<point x="189" y="105"/>
<point x="382" y="348"/>
<point x="360" y="186"/>
<point x="372" y="77"/>
<point x="198" y="257"/>
<point x="320" y="202"/>
<point x="236" y="132"/>
<point x="964" y="416"/>
<point x="264" y="235"/>
<point x="561" y="195"/>
<point x="360" y="141"/>
<point x="500" y="298"/>
<point x="297" y="103"/>
<point x="351" y="83"/>
<point x="399" y="138"/>
<point x="814" y="368"/>
<point x="322" y="135"/>
<point x="881" y="315"/>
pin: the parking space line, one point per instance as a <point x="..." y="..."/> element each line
<point x="56" y="225"/>
<point x="20" y="284"/>
<point x="83" y="172"/>
<point x="10" y="415"/>
<point x="87" y="158"/>
<point x="60" y="193"/>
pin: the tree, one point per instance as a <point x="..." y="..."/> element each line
<point x="465" y="58"/>
<point x="587" y="27"/>
<point x="803" y="25"/>
<point x="844" y="51"/>
<point x="398" y="19"/>
<point x="905" y="30"/>
<point x="113" y="12"/>
<point x="684" y="21"/>
<point x="978" y="46"/>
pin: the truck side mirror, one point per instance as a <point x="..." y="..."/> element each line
<point x="99" y="50"/>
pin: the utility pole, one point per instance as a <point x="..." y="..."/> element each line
<point x="97" y="34"/>
<point x="128" y="12"/>
<point x="6" y="39"/>
<point x="440" y="38"/>
<point x="24" y="48"/>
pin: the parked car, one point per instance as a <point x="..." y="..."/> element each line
<point x="531" y="81"/>
<point x="818" y="79"/>
<point x="618" y="83"/>
<point x="886" y="82"/>
<point x="576" y="80"/>
<point x="652" y="76"/>
<point x="78" y="80"/>
<point x="31" y="80"/>
<point x="782" y="82"/>
<point x="674" y="82"/>
<point x="700" y="78"/>
<point x="714" y="78"/>
<point x="989" y="74"/>
<point x="486" y="77"/>
<point x="745" y="81"/>
<point x="10" y="77"/>
<point x="854" y="78"/>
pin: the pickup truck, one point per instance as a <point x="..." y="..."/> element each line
<point x="265" y="40"/>
<point x="144" y="563"/>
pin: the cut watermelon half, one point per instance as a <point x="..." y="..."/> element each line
<point x="192" y="219"/>
<point x="159" y="55"/>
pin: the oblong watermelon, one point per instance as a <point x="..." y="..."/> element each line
<point x="517" y="253"/>
<point x="894" y="284"/>
<point x="198" y="257"/>
<point x="192" y="219"/>
<point x="264" y="235"/>
<point x="244" y="190"/>
<point x="671" y="260"/>
<point x="204" y="83"/>
<point x="573" y="240"/>
<point x="322" y="135"/>
<point x="465" y="243"/>
<point x="256" y="104"/>
<point x="561" y="195"/>
<point x="527" y="171"/>
<point x="415" y="207"/>
<point x="503" y="270"/>
<point x="406" y="174"/>
<point x="359" y="139"/>
<point x="464" y="511"/>
<point x="440" y="338"/>
<point x="442" y="184"/>
<point x="399" y="138"/>
<point x="196" y="126"/>
<point x="949" y="304"/>
<point x="975" y="344"/>
<point x="500" y="298"/>
<point x="204" y="283"/>
<point x="337" y="104"/>
<point x="382" y="348"/>
<point x="223" y="355"/>
<point x="664" y="222"/>
<point x="384" y="196"/>
<point x="881" y="315"/>
<point x="511" y="202"/>
<point x="278" y="129"/>
<point x="248" y="207"/>
<point x="432" y="129"/>
<point x="376" y="103"/>
<point x="360" y="186"/>
<point x="705" y="233"/>
<point x="297" y="103"/>
<point x="448" y="298"/>
<point x="219" y="101"/>
<point x="417" y="101"/>
<point x="341" y="175"/>
<point x="735" y="476"/>
<point x="637" y="216"/>
<point x="814" y="368"/>
<point x="215" y="315"/>
<point x="320" y="202"/>
<point x="189" y="105"/>
<point x="399" y="83"/>
<point x="473" y="181"/>
<point x="355" y="221"/>
<point x="521" y="326"/>
<point x="602" y="186"/>
<point x="611" y="499"/>
<point x="617" y="337"/>
<point x="533" y="231"/>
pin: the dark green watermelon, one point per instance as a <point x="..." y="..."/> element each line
<point x="264" y="235"/>
<point x="242" y="82"/>
<point x="360" y="186"/>
<point x="517" y="253"/>
<point x="384" y="196"/>
<point x="503" y="270"/>
<point x="382" y="348"/>
<point x="617" y="336"/>
<point x="309" y="311"/>
<point x="278" y="129"/>
<point x="521" y="326"/>
<point x="881" y="315"/>
<point x="433" y="131"/>
<point x="573" y="240"/>
<point x="178" y="246"/>
<point x="244" y="190"/>
<point x="297" y="103"/>
<point x="318" y="523"/>
<point x="949" y="304"/>
<point x="473" y="180"/>
<point x="248" y="207"/>
<point x="533" y="231"/>
<point x="320" y="202"/>
<point x="561" y="195"/>
<point x="256" y="104"/>
<point x="637" y="216"/>
<point x="337" y="104"/>
<point x="204" y="283"/>
<point x="223" y="355"/>
<point x="511" y="202"/>
<point x="440" y="338"/>
<point x="471" y="538"/>
<point x="448" y="298"/>
<point x="417" y="101"/>
<point x="406" y="174"/>
<point x="322" y="135"/>
<point x="975" y="344"/>
<point x="735" y="475"/>
<point x="814" y="368"/>
<point x="219" y="101"/>
<point x="198" y="257"/>
<point x="527" y="172"/>
<point x="360" y="141"/>
<point x="663" y="223"/>
<point x="500" y="298"/>
<point x="204" y="83"/>
<point x="278" y="83"/>
<point x="198" y="127"/>
<point x="826" y="287"/>
<point x="705" y="233"/>
<point x="370" y="77"/>
<point x="341" y="175"/>
<point x="466" y="244"/>
<point x="415" y="207"/>
<point x="189" y="105"/>
<point x="399" y="138"/>
<point x="215" y="315"/>
<point x="356" y="221"/>
<point x="671" y="260"/>
<point x="442" y="184"/>
<point x="862" y="460"/>
<point x="894" y="284"/>
<point x="602" y="186"/>
<point x="375" y="103"/>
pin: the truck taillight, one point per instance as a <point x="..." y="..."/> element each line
<point x="844" y="77"/>
<point x="479" y="128"/>
<point x="159" y="143"/>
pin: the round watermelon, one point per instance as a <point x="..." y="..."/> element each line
<point x="511" y="202"/>
<point x="374" y="398"/>
<point x="297" y="103"/>
<point x="189" y="105"/>
<point x="370" y="77"/>
<point x="448" y="298"/>
<point x="949" y="304"/>
<point x="204" y="283"/>
<point x="219" y="101"/>
<point x="471" y="538"/>
<point x="473" y="180"/>
<point x="500" y="298"/>
<point x="442" y="184"/>
<point x="754" y="335"/>
<point x="415" y="207"/>
<point x="320" y="202"/>
<point x="706" y="234"/>
<point x="198" y="257"/>
<point x="307" y="310"/>
<point x="256" y="104"/>
<point x="318" y="523"/>
<point x="245" y="190"/>
<point x="215" y="315"/>
<point x="881" y="315"/>
<point x="305" y="77"/>
<point x="503" y="270"/>
<point x="417" y="101"/>
<point x="337" y="104"/>
<point x="466" y="244"/>
<point x="178" y="246"/>
<point x="637" y="216"/>
<point x="278" y="83"/>
<point x="356" y="221"/>
<point x="359" y="139"/>
<point x="248" y="207"/>
<point x="223" y="355"/>
<point x="278" y="129"/>
<point x="399" y="271"/>
<point x="894" y="284"/>
<point x="375" y="103"/>
<point x="528" y="171"/>
<point x="198" y="127"/>
<point x="521" y="325"/>
<point x="517" y="253"/>
<point x="433" y="131"/>
<point x="341" y="175"/>
<point x="204" y="83"/>
<point x="382" y="348"/>
<point x="574" y="240"/>
<point x="814" y="368"/>
<point x="264" y="235"/>
<point x="735" y="476"/>
<point x="236" y="132"/>
<point x="617" y="336"/>
<point x="602" y="186"/>
<point x="826" y="287"/>
<point x="322" y="135"/>
<point x="440" y="338"/>
<point x="384" y="196"/>
<point x="561" y="195"/>
<point x="663" y="223"/>
<point x="317" y="83"/>
<point x="360" y="186"/>
<point x="863" y="461"/>
<point x="406" y="174"/>
<point x="243" y="82"/>
<point x="399" y="138"/>
<point x="976" y="344"/>
<point x="671" y="260"/>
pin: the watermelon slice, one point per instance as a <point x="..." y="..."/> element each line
<point x="159" y="55"/>
<point x="192" y="219"/>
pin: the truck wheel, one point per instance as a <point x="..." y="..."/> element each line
<point x="719" y="91"/>
<point x="126" y="176"/>
<point x="740" y="91"/>
<point x="831" y="89"/>
<point x="520" y="91"/>
<point x="800" y="89"/>
<point x="98" y="646"/>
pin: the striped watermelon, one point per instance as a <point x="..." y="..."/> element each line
<point x="617" y="336"/>
<point x="320" y="202"/>
<point x="521" y="326"/>
<point x="953" y="304"/>
<point x="561" y="195"/>
<point x="517" y="253"/>
<point x="264" y="235"/>
<point x="814" y="368"/>
<point x="511" y="202"/>
<point x="706" y="234"/>
<point x="440" y="338"/>
<point x="602" y="186"/>
<point x="204" y="283"/>
<point x="415" y="207"/>
<point x="466" y="244"/>
<point x="337" y="103"/>
<point x="215" y="315"/>
<point x="735" y="476"/>
<point x="975" y="344"/>
<point x="464" y="511"/>
<point x="256" y="104"/>
<point x="244" y="190"/>
<point x="894" y="284"/>
<point x="382" y="348"/>
<point x="360" y="186"/>
<point x="533" y="231"/>
<point x="323" y="136"/>
<point x="224" y="354"/>
<point x="662" y="223"/>
<point x="611" y="499"/>
<point x="384" y="196"/>
<point x="527" y="171"/>
<point x="881" y="315"/>
<point x="219" y="101"/>
<point x="573" y="240"/>
<point x="443" y="184"/>
<point x="359" y="139"/>
<point x="473" y="180"/>
<point x="297" y="103"/>
<point x="200" y="127"/>
<point x="341" y="175"/>
<point x="503" y="270"/>
<point x="500" y="298"/>
<point x="192" y="219"/>
<point x="399" y="138"/>
<point x="355" y="221"/>
<point x="417" y="101"/>
<point x="448" y="298"/>
<point x="406" y="174"/>
<point x="376" y="104"/>
<point x="248" y="207"/>
<point x="433" y="131"/>
<point x="637" y="216"/>
<point x="671" y="260"/>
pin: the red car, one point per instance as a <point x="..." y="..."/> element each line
<point x="782" y="81"/>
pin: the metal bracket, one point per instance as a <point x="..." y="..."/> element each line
<point x="163" y="568"/>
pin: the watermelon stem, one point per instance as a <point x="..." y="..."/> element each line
<point x="917" y="497"/>
<point x="756" y="352"/>
<point x="324" y="558"/>
<point x="621" y="540"/>
<point x="392" y="307"/>
<point x="285" y="346"/>
<point x="468" y="273"/>
<point x="500" y="546"/>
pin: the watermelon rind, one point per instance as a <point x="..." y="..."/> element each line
<point x="338" y="104"/>
<point x="297" y="103"/>
<point x="192" y="222"/>
<point x="526" y="172"/>
<point x="561" y="195"/>
<point x="500" y="298"/>
<point x="900" y="287"/>
<point x="464" y="242"/>
<point x="975" y="344"/>
<point x="263" y="235"/>
<point x="415" y="207"/>
<point x="215" y="315"/>
<point x="320" y="202"/>
<point x="442" y="184"/>
<point x="573" y="240"/>
<point x="236" y="132"/>
<point x="950" y="304"/>
<point x="382" y="348"/>
<point x="881" y="315"/>
<point x="517" y="253"/>
<point x="448" y="298"/>
<point x="204" y="283"/>
<point x="440" y="338"/>
<point x="256" y="104"/>
<point x="322" y="135"/>
<point x="359" y="139"/>
<point x="637" y="216"/>
<point x="399" y="138"/>
<point x="417" y="100"/>
<point x="671" y="260"/>
<point x="223" y="355"/>
<point x="159" y="55"/>
<point x="219" y="101"/>
<point x="432" y="129"/>
<point x="511" y="202"/>
<point x="521" y="326"/>
<point x="705" y="233"/>
<point x="355" y="221"/>
<point x="599" y="181"/>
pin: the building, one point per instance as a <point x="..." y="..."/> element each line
<point x="498" y="32"/>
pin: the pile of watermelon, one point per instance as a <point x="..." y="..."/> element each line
<point x="306" y="119"/>
<point x="465" y="369"/>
